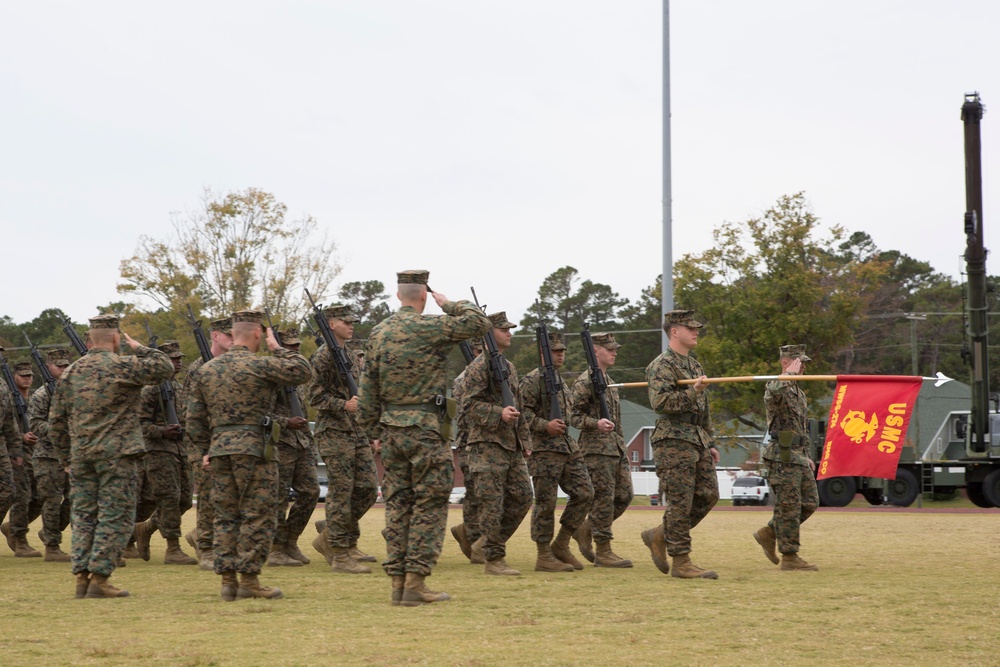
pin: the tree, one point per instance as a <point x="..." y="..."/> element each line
<point x="567" y="308"/>
<point x="237" y="251"/>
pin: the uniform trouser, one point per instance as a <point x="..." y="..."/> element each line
<point x="470" y="505"/>
<point x="27" y="506"/>
<point x="7" y="492"/>
<point x="145" y="501"/>
<point x="795" y="500"/>
<point x="244" y="494"/>
<point x="205" y="526"/>
<point x="549" y="471"/>
<point x="52" y="482"/>
<point x="103" y="496"/>
<point x="504" y="493"/>
<point x="169" y="480"/>
<point x="417" y="482"/>
<point x="691" y="489"/>
<point x="296" y="470"/>
<point x="352" y="485"/>
<point x="612" y="482"/>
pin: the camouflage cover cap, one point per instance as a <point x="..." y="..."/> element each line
<point x="59" y="357"/>
<point x="500" y="321"/>
<point x="172" y="349"/>
<point x="606" y="340"/>
<point x="556" y="341"/>
<point x="341" y="312"/>
<point x="255" y="316"/>
<point x="290" y="336"/>
<point x="107" y="321"/>
<point x="685" y="318"/>
<point x="356" y="345"/>
<point x="794" y="352"/>
<point x="223" y="325"/>
<point x="23" y="368"/>
<point x="413" y="277"/>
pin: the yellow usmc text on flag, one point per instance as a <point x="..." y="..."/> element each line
<point x="867" y="425"/>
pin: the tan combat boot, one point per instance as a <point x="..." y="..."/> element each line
<point x="546" y="562"/>
<point x="320" y="525"/>
<point x="500" y="567"/>
<point x="359" y="555"/>
<point x="5" y="529"/>
<point x="56" y="555"/>
<point x="192" y="540"/>
<point x="685" y="569"/>
<point x="321" y="544"/>
<point x="207" y="561"/>
<point x="250" y="588"/>
<point x="397" y="589"/>
<point x="280" y="558"/>
<point x="415" y="593"/>
<point x="584" y="540"/>
<point x="143" y="532"/>
<point x="477" y="556"/>
<point x="130" y="551"/>
<point x="293" y="551"/>
<point x="229" y="586"/>
<point x="458" y="532"/>
<point x="605" y="557"/>
<point x="657" y="543"/>
<point x="766" y="539"/>
<point x="792" y="563"/>
<point x="175" y="555"/>
<point x="82" y="584"/>
<point x="100" y="588"/>
<point x="24" y="550"/>
<point x="560" y="548"/>
<point x="342" y="562"/>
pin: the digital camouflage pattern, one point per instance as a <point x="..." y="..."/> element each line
<point x="296" y="470"/>
<point x="167" y="473"/>
<point x="352" y="481"/>
<point x="10" y="448"/>
<point x="681" y="447"/>
<point x="555" y="461"/>
<point x="470" y="505"/>
<point x="793" y="481"/>
<point x="51" y="480"/>
<point x="407" y="364"/>
<point x="200" y="477"/>
<point x="27" y="506"/>
<point x="94" y="428"/>
<point x="229" y="397"/>
<point x="604" y="454"/>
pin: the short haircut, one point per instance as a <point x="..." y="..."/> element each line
<point x="102" y="337"/>
<point x="244" y="330"/>
<point x="411" y="291"/>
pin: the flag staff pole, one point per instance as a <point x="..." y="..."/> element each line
<point x="938" y="380"/>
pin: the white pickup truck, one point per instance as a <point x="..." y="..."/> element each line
<point x="751" y="490"/>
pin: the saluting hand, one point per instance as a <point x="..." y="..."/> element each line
<point x="439" y="298"/>
<point x="272" y="342"/>
<point x="131" y="342"/>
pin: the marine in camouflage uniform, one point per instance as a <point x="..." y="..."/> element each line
<point x="791" y="471"/>
<point x="404" y="376"/>
<point x="296" y="472"/>
<point x="94" y="427"/>
<point x="51" y="478"/>
<point x="498" y="439"/>
<point x="200" y="538"/>
<point x="352" y="480"/>
<point x="603" y="446"/>
<point x="467" y="532"/>
<point x="683" y="447"/>
<point x="167" y="472"/>
<point x="555" y="461"/>
<point x="230" y="397"/>
<point x="11" y="448"/>
<point x="27" y="506"/>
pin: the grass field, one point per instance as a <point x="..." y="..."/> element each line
<point x="894" y="588"/>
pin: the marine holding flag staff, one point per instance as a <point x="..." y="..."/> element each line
<point x="790" y="469"/>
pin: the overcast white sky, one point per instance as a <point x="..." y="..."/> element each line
<point x="490" y="142"/>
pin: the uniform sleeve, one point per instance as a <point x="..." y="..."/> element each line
<point x="149" y="408"/>
<point x="465" y="320"/>
<point x="665" y="395"/>
<point x="320" y="394"/>
<point x="531" y="394"/>
<point x="581" y="401"/>
<point x="288" y="368"/>
<point x="370" y="398"/>
<point x="38" y="412"/>
<point x="198" y="426"/>
<point x="148" y="366"/>
<point x="59" y="422"/>
<point x="480" y="407"/>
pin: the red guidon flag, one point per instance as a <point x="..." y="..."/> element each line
<point x="867" y="426"/>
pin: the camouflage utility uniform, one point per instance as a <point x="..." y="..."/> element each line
<point x="94" y="427"/>
<point x="168" y="475"/>
<point x="405" y="372"/>
<point x="296" y="471"/>
<point x="50" y="476"/>
<point x="27" y="507"/>
<point x="201" y="478"/>
<point x="12" y="448"/>
<point x="468" y="531"/>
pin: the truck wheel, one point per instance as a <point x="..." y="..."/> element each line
<point x="766" y="500"/>
<point x="903" y="490"/>
<point x="991" y="487"/>
<point x="974" y="491"/>
<point x="873" y="496"/>
<point x="837" y="491"/>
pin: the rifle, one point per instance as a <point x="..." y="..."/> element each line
<point x="167" y="406"/>
<point x="19" y="405"/>
<point x="553" y="385"/>
<point x="312" y="330"/>
<point x="596" y="374"/>
<point x="74" y="337"/>
<point x="204" y="348"/>
<point x="340" y="358"/>
<point x="498" y="367"/>
<point x="467" y="352"/>
<point x="43" y="369"/>
<point x="291" y="396"/>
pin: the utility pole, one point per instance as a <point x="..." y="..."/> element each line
<point x="667" y="282"/>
